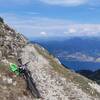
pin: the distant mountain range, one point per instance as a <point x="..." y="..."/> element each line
<point x="80" y="53"/>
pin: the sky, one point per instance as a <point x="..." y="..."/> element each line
<point x="52" y="18"/>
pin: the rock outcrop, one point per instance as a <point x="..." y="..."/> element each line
<point x="11" y="42"/>
<point x="54" y="81"/>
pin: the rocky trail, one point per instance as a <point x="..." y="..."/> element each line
<point x="50" y="84"/>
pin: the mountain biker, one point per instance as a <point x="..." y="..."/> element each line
<point x="22" y="67"/>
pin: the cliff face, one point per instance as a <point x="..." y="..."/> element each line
<point x="53" y="81"/>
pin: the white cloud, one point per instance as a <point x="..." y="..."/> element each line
<point x="83" y="30"/>
<point x="43" y="33"/>
<point x="65" y="2"/>
<point x="69" y="3"/>
<point x="41" y="26"/>
<point x="72" y="30"/>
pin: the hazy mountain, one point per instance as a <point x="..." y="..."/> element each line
<point x="77" y="52"/>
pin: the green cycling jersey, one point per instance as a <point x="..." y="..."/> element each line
<point x="14" y="68"/>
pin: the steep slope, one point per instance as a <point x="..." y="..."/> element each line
<point x="11" y="43"/>
<point x="53" y="81"/>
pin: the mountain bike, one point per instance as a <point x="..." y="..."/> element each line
<point x="22" y="70"/>
<point x="29" y="80"/>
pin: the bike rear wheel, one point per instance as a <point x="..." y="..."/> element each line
<point x="32" y="87"/>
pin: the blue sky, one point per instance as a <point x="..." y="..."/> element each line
<point x="51" y="18"/>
